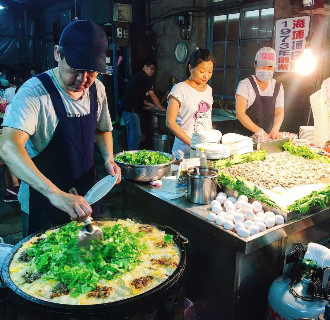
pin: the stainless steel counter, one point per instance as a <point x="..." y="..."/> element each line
<point x="227" y="276"/>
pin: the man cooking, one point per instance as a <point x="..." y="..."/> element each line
<point x="135" y="92"/>
<point x="49" y="130"/>
<point x="260" y="99"/>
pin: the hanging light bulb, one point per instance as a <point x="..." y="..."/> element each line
<point x="306" y="62"/>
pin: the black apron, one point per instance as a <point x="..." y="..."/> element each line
<point x="67" y="161"/>
<point x="261" y="112"/>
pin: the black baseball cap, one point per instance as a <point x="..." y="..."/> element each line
<point x="85" y="46"/>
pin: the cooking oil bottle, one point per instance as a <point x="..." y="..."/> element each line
<point x="202" y="158"/>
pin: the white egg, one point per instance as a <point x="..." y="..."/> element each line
<point x="221" y="199"/>
<point x="257" y="207"/>
<point x="216" y="209"/>
<point x="247" y="206"/>
<point x="248" y="223"/>
<point x="239" y="211"/>
<point x="239" y="217"/>
<point x="232" y="199"/>
<point x="243" y="198"/>
<point x="228" y="203"/>
<point x="261" y="215"/>
<point x="211" y="216"/>
<point x="215" y="203"/>
<point x="261" y="225"/>
<point x="223" y="214"/>
<point x="254" y="230"/>
<point x="231" y="211"/>
<point x="228" y="225"/>
<point x="259" y="219"/>
<point x="270" y="214"/>
<point x="221" y="194"/>
<point x="220" y="220"/>
<point x="230" y="217"/>
<point x="256" y="203"/>
<point x="239" y="204"/>
<point x="279" y="219"/>
<point x="270" y="222"/>
<point x="242" y="232"/>
<point x="249" y="215"/>
<point x="239" y="225"/>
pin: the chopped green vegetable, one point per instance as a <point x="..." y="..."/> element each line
<point x="79" y="269"/>
<point x="143" y="157"/>
<point x="168" y="239"/>
<point x="240" y="158"/>
<point x="304" y="151"/>
<point x="321" y="198"/>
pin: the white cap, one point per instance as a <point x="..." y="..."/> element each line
<point x="266" y="56"/>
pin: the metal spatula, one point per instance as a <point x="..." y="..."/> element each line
<point x="100" y="189"/>
<point x="89" y="232"/>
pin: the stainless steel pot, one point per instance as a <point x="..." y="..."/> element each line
<point x="202" y="185"/>
<point x="161" y="142"/>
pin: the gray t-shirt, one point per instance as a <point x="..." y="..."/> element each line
<point x="32" y="111"/>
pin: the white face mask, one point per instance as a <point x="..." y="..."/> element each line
<point x="264" y="75"/>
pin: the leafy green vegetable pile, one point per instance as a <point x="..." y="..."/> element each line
<point x="59" y="257"/>
<point x="240" y="158"/>
<point x="240" y="185"/>
<point x="321" y="198"/>
<point x="143" y="157"/>
<point x="304" y="151"/>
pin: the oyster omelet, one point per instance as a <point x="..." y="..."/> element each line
<point x="130" y="259"/>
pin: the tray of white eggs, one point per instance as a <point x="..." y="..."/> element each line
<point x="242" y="216"/>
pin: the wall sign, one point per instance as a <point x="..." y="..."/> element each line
<point x="290" y="41"/>
<point x="121" y="33"/>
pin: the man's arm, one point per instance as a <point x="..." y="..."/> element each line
<point x="14" y="154"/>
<point x="171" y="116"/>
<point x="278" y="120"/>
<point x="156" y="100"/>
<point x="105" y="143"/>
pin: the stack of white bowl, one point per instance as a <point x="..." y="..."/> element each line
<point x="321" y="116"/>
<point x="306" y="133"/>
<point x="213" y="151"/>
<point x="237" y="143"/>
<point x="211" y="136"/>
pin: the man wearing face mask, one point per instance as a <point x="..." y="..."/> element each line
<point x="260" y="99"/>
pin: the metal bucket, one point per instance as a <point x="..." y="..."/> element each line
<point x="202" y="185"/>
<point x="161" y="142"/>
